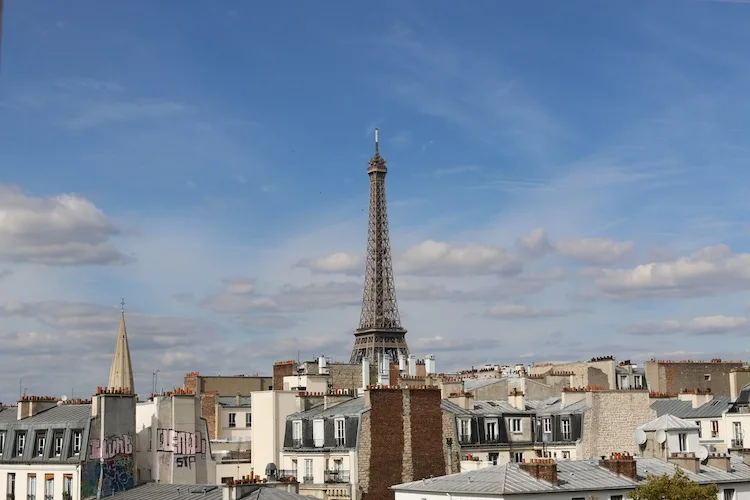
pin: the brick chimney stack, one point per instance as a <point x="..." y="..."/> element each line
<point x="544" y="469"/>
<point x="621" y="464"/>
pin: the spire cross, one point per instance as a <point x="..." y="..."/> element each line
<point x="122" y="305"/>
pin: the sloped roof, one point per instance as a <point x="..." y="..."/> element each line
<point x="668" y="423"/>
<point x="163" y="491"/>
<point x="573" y="476"/>
<point x="350" y="408"/>
<point x="472" y="384"/>
<point x="61" y="415"/>
<point x="684" y="409"/>
<point x="484" y="408"/>
<point x="231" y="401"/>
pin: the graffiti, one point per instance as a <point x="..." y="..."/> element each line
<point x="113" y="446"/>
<point x="118" y="475"/>
<point x="187" y="461"/>
<point x="181" y="442"/>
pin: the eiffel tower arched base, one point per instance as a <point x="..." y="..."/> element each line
<point x="369" y="344"/>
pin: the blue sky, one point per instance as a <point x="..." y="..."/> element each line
<point x="567" y="179"/>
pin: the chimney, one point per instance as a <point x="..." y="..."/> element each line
<point x="238" y="400"/>
<point x="543" y="469"/>
<point x="365" y="373"/>
<point x="517" y="399"/>
<point x="383" y="375"/>
<point x="401" y="363"/>
<point x="720" y="461"/>
<point x="686" y="460"/>
<point x="696" y="397"/>
<point x="621" y="464"/>
<point x="322" y="366"/>
<point x="429" y="364"/>
<point x="463" y="399"/>
<point x="568" y="397"/>
<point x="412" y="365"/>
<point x="28" y="406"/>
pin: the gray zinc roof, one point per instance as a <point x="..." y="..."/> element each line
<point x="8" y="415"/>
<point x="668" y="423"/>
<point x="684" y="409"/>
<point x="472" y="384"/>
<point x="573" y="476"/>
<point x="484" y="408"/>
<point x="350" y="408"/>
<point x="60" y="415"/>
<point x="231" y="402"/>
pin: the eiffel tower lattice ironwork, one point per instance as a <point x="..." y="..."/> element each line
<point x="380" y="334"/>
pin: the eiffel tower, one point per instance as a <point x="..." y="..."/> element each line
<point x="380" y="335"/>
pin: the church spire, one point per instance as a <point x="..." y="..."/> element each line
<point x="121" y="373"/>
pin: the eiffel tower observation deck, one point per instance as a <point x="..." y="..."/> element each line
<point x="380" y="334"/>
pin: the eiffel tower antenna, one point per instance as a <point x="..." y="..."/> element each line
<point x="380" y="330"/>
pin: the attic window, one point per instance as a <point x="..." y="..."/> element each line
<point x="707" y="377"/>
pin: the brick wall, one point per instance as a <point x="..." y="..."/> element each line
<point x="403" y="438"/>
<point x="427" y="442"/>
<point x="386" y="449"/>
<point x="209" y="403"/>
<point x="191" y="384"/>
<point x="675" y="376"/>
<point x="281" y="370"/>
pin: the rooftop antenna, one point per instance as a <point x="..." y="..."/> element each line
<point x="376" y="129"/>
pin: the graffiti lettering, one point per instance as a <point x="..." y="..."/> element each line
<point x="118" y="474"/>
<point x="113" y="446"/>
<point x="187" y="461"/>
<point x="181" y="442"/>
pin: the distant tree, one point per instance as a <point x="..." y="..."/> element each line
<point x="677" y="487"/>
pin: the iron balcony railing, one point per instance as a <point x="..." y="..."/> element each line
<point x="296" y="443"/>
<point x="336" y="476"/>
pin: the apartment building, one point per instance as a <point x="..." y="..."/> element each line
<point x="597" y="372"/>
<point x="671" y="377"/>
<point x="705" y="410"/>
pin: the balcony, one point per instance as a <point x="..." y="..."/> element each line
<point x="297" y="443"/>
<point x="336" y="476"/>
<point x="737" y="443"/>
<point x="307" y="479"/>
<point x="286" y="473"/>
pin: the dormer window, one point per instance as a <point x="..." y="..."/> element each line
<point x="464" y="430"/>
<point x="565" y="428"/>
<point x="2" y="442"/>
<point x="297" y="433"/>
<point x="547" y="425"/>
<point x="340" y="427"/>
<point x="318" y="433"/>
<point x="57" y="444"/>
<point x="77" y="438"/>
<point x="41" y="440"/>
<point x="20" y="442"/>
<point x="682" y="438"/>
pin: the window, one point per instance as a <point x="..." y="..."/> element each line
<point x="518" y="456"/>
<point x="682" y="438"/>
<point x="464" y="430"/>
<point x="2" y="442"/>
<point x="297" y="433"/>
<point x="49" y="487"/>
<point x="318" y="433"/>
<point x="58" y="441"/>
<point x="248" y="419"/>
<point x="515" y="425"/>
<point x="565" y="428"/>
<point x="493" y="458"/>
<point x="11" y="485"/>
<point x="68" y="484"/>
<point x="41" y="440"/>
<point x="707" y="377"/>
<point x="728" y="494"/>
<point x="698" y="423"/>
<point x="624" y="382"/>
<point x="308" y="470"/>
<point x="638" y="381"/>
<point x="294" y="468"/>
<point x="615" y="497"/>
<point x="232" y="420"/>
<point x="31" y="486"/>
<point x="714" y="428"/>
<point x="340" y="426"/>
<point x="20" y="442"/>
<point x="76" y="442"/>
<point x="547" y="425"/>
<point x="490" y="430"/>
<point x="566" y="455"/>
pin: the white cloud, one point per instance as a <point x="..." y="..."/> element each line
<point x="703" y="325"/>
<point x="434" y="258"/>
<point x="463" y="169"/>
<point x="593" y="250"/>
<point x="535" y="244"/>
<point x="709" y="271"/>
<point x="337" y="263"/>
<point x="59" y="230"/>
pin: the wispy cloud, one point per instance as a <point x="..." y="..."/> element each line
<point x="463" y="169"/>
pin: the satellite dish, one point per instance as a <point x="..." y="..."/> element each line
<point x="703" y="453"/>
<point x="63" y="398"/>
<point x="661" y="436"/>
<point x="640" y="436"/>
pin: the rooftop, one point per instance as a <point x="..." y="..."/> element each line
<point x="668" y="423"/>
<point x="231" y="401"/>
<point x="573" y="475"/>
<point x="163" y="491"/>
<point x="65" y="415"/>
<point x="350" y="408"/>
<point x="684" y="409"/>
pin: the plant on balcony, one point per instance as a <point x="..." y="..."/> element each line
<point x="67" y="495"/>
